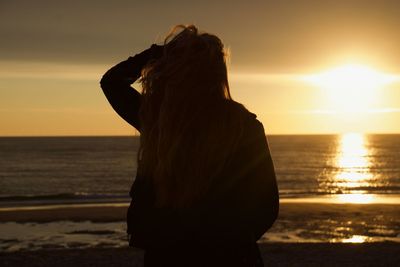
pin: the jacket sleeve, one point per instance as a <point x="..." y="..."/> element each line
<point x="116" y="85"/>
<point x="257" y="196"/>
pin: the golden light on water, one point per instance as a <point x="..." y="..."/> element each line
<point x="353" y="163"/>
<point x="356" y="198"/>
<point x="353" y="159"/>
<point x="355" y="239"/>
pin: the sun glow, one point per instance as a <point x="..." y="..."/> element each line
<point x="351" y="88"/>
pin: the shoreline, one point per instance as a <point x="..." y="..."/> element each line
<point x="107" y="212"/>
<point x="341" y="199"/>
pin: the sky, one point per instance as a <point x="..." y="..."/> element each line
<point x="53" y="54"/>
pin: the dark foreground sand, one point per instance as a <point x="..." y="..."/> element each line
<point x="297" y="222"/>
<point x="321" y="222"/>
<point x="274" y="254"/>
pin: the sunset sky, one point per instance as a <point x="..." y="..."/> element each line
<point x="304" y="67"/>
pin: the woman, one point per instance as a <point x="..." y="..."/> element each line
<point x="205" y="189"/>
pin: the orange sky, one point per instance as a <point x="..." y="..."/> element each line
<point x="53" y="54"/>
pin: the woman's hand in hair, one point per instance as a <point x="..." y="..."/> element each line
<point x="154" y="52"/>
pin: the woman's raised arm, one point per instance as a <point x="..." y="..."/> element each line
<point x="116" y="84"/>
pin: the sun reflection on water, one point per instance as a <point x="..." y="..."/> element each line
<point x="355" y="239"/>
<point x="353" y="164"/>
<point x="356" y="198"/>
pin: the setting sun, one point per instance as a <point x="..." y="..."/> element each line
<point x="351" y="87"/>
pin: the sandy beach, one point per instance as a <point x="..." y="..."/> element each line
<point x="297" y="222"/>
<point x="80" y="212"/>
<point x="306" y="234"/>
<point x="274" y="254"/>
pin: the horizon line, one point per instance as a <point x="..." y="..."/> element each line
<point x="138" y="135"/>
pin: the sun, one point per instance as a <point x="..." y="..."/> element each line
<point x="351" y="87"/>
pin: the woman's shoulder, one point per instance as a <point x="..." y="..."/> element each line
<point x="239" y="108"/>
<point x="250" y="119"/>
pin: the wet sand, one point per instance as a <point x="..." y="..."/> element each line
<point x="50" y="213"/>
<point x="297" y="222"/>
<point x="305" y="234"/>
<point x="274" y="254"/>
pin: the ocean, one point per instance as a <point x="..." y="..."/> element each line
<point x="41" y="170"/>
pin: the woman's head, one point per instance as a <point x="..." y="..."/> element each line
<point x="188" y="129"/>
<point x="193" y="65"/>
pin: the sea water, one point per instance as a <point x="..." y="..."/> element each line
<point x="102" y="169"/>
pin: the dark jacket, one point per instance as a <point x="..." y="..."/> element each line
<point x="243" y="205"/>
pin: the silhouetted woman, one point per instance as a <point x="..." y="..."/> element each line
<point x="205" y="189"/>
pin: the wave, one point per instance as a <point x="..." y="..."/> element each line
<point x="64" y="196"/>
<point x="381" y="190"/>
<point x="295" y="192"/>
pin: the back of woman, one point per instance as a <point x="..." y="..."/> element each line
<point x="205" y="189"/>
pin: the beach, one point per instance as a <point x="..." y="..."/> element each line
<point x="311" y="234"/>
<point x="333" y="222"/>
<point x="274" y="254"/>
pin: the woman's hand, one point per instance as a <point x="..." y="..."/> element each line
<point x="154" y="52"/>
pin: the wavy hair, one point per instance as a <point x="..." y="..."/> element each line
<point x="190" y="124"/>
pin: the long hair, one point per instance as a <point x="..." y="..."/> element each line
<point x="190" y="124"/>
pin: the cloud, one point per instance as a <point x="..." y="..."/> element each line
<point x="51" y="71"/>
<point x="275" y="36"/>
<point x="67" y="110"/>
<point x="334" y="112"/>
